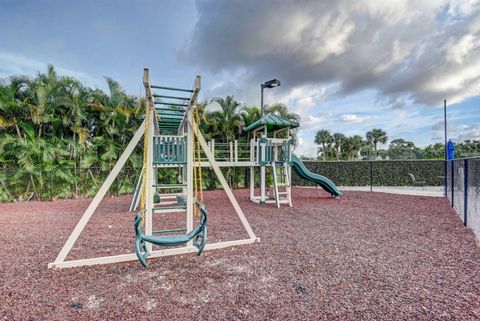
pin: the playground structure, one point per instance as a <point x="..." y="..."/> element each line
<point x="172" y="139"/>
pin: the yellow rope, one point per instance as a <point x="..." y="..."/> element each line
<point x="197" y="169"/>
<point x="146" y="137"/>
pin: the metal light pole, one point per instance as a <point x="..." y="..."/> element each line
<point x="262" y="111"/>
<point x="268" y="84"/>
<point x="446" y="151"/>
<point x="445" y="126"/>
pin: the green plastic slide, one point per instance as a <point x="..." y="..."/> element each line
<point x="306" y="174"/>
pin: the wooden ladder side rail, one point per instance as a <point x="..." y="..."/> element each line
<point x="288" y="173"/>
<point x="275" y="184"/>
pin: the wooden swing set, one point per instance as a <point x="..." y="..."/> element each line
<point x="170" y="133"/>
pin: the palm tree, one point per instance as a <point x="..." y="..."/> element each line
<point x="338" y="139"/>
<point x="11" y="107"/>
<point x="376" y="136"/>
<point x="324" y="138"/>
<point x="353" y="145"/>
<point x="249" y="116"/>
<point x="227" y="122"/>
<point x="112" y="128"/>
<point x="281" y="110"/>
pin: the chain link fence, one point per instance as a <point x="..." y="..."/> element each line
<point x="461" y="178"/>
<point x="463" y="190"/>
<point x="20" y="185"/>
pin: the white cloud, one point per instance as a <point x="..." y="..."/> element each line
<point x="353" y="118"/>
<point x="464" y="132"/>
<point x="12" y="63"/>
<point x="301" y="99"/>
<point x="310" y="121"/>
<point x="420" y="49"/>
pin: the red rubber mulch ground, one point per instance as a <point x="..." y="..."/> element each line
<point x="367" y="256"/>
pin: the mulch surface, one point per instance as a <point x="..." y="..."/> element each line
<point x="367" y="256"/>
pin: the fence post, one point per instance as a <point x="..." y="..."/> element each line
<point x="453" y="181"/>
<point x="465" y="191"/>
<point x="445" y="178"/>
<point x="371" y="176"/>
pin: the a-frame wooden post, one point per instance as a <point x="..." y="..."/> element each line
<point x="98" y="197"/>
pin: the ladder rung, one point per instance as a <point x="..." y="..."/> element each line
<point x="169" y="231"/>
<point x="177" y="111"/>
<point x="169" y="104"/>
<point x="172" y="88"/>
<point x="169" y="185"/>
<point x="171" y="97"/>
<point x="171" y="116"/>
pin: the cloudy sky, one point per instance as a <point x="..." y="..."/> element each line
<point x="346" y="66"/>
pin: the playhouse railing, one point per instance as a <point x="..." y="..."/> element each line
<point x="275" y="150"/>
<point x="169" y="149"/>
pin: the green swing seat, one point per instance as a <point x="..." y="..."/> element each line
<point x="198" y="234"/>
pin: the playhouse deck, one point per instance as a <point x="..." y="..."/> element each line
<point x="365" y="256"/>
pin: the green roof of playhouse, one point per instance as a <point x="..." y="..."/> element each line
<point x="273" y="122"/>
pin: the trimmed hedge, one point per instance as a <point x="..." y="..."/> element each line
<point x="384" y="173"/>
<point x="17" y="184"/>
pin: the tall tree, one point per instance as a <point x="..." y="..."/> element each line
<point x="249" y="116"/>
<point x="282" y="110"/>
<point x="401" y="149"/>
<point x="353" y="145"/>
<point x="376" y="136"/>
<point x="227" y="122"/>
<point x="338" y="140"/>
<point x="323" y="138"/>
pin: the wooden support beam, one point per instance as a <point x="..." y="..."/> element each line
<point x="100" y="194"/>
<point x="221" y="178"/>
<point x="153" y="254"/>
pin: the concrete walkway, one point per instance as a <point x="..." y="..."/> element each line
<point x="432" y="191"/>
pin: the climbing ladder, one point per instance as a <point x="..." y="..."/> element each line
<point x="281" y="183"/>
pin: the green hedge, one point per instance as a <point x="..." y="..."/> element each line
<point x="40" y="184"/>
<point x="18" y="184"/>
<point x="384" y="173"/>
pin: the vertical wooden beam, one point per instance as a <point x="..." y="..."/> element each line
<point x="252" y="168"/>
<point x="288" y="182"/>
<point x="150" y="179"/>
<point x="190" y="152"/>
<point x="263" y="153"/>
<point x="235" y="151"/>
